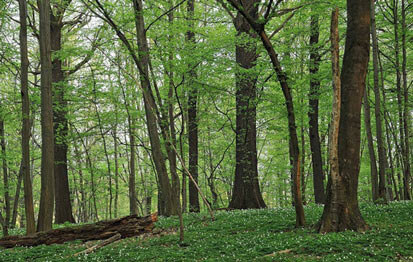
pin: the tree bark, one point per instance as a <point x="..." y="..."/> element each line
<point x="63" y="206"/>
<point x="128" y="226"/>
<point x="25" y="142"/>
<point x="317" y="160"/>
<point x="246" y="192"/>
<point x="47" y="163"/>
<point x="192" y="114"/>
<point x="341" y="211"/>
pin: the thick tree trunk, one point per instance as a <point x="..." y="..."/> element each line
<point x="372" y="154"/>
<point x="129" y="226"/>
<point x="47" y="164"/>
<point x="192" y="114"/>
<point x="318" y="174"/>
<point x="63" y="206"/>
<point x="24" y="90"/>
<point x="246" y="192"/>
<point x="341" y="211"/>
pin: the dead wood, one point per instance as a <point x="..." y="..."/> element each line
<point x="100" y="244"/>
<point x="128" y="226"/>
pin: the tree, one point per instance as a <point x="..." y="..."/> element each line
<point x="63" y="206"/>
<point x="383" y="191"/>
<point x="246" y="191"/>
<point x="6" y="218"/>
<point x="341" y="211"/>
<point x="259" y="27"/>
<point x="47" y="174"/>
<point x="24" y="90"/>
<point x="313" y="97"/>
<point x="192" y="114"/>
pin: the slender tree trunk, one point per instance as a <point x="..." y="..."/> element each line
<point x="373" y="166"/>
<point x="25" y="142"/>
<point x="341" y="211"/>
<point x="47" y="164"/>
<point x="246" y="191"/>
<point x="406" y="111"/>
<point x="317" y="160"/>
<point x="17" y="198"/>
<point x="383" y="165"/>
<point x="168" y="205"/>
<point x="390" y="174"/>
<point x="105" y="149"/>
<point x="6" y="188"/>
<point x="115" y="143"/>
<point x="292" y="128"/>
<point x="192" y="114"/>
<point x="399" y="94"/>
<point x="133" y="208"/>
<point x="82" y="206"/>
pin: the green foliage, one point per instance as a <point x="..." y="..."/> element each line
<point x="252" y="235"/>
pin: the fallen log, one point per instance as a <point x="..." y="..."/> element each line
<point x="128" y="226"/>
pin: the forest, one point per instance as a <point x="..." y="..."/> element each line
<point x="155" y="122"/>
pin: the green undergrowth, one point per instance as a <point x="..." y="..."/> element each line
<point x="252" y="235"/>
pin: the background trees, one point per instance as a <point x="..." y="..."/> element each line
<point x="131" y="105"/>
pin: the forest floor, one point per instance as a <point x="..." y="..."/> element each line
<point x="251" y="235"/>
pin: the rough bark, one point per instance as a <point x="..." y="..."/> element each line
<point x="63" y="206"/>
<point x="128" y="226"/>
<point x="317" y="160"/>
<point x="25" y="143"/>
<point x="47" y="163"/>
<point x="192" y="115"/>
<point x="341" y="211"/>
<point x="246" y="191"/>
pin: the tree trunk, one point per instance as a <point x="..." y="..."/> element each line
<point x="192" y="114"/>
<point x="341" y="211"/>
<point x="133" y="208"/>
<point x="168" y="203"/>
<point x="246" y="192"/>
<point x="315" y="58"/>
<point x="17" y="198"/>
<point x="6" y="220"/>
<point x="372" y="154"/>
<point x="47" y="163"/>
<point x="63" y="206"/>
<point x="25" y="142"/>
<point x="115" y="143"/>
<point x="406" y="112"/>
<point x="383" y="165"/>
